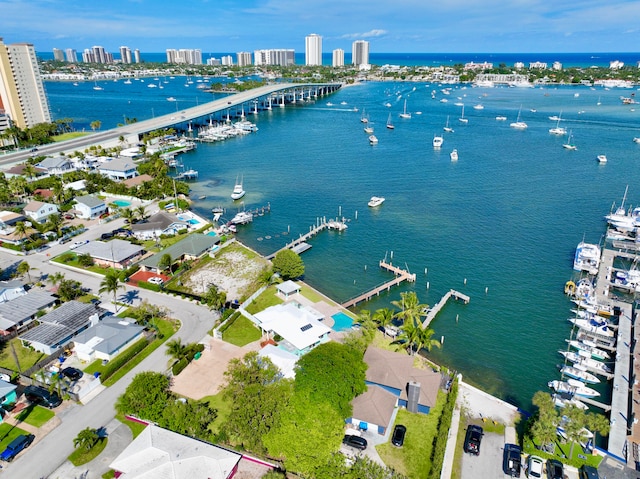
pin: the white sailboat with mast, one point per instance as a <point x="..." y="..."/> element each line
<point x="462" y="119"/>
<point x="389" y="123"/>
<point x="447" y="128"/>
<point x="404" y="113"/>
<point x="569" y="145"/>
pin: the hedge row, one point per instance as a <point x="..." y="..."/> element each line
<point x="437" y="458"/>
<point x="179" y="366"/>
<point x="123" y="358"/>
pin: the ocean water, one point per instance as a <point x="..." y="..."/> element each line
<point x="500" y="224"/>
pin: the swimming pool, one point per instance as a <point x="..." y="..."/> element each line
<point x="193" y="222"/>
<point x="342" y="322"/>
<point x="121" y="203"/>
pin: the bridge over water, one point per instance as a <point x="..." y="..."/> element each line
<point x="261" y="98"/>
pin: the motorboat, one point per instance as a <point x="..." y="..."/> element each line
<point x="585" y="359"/>
<point x="238" y="190"/>
<point x="437" y="141"/>
<point x="501" y="118"/>
<point x="217" y="209"/>
<point x="368" y="129"/>
<point x="454" y="155"/>
<point x="519" y="124"/>
<point x="592" y="326"/>
<point x="404" y="113"/>
<point x="587" y="257"/>
<point x="573" y="387"/>
<point x="602" y="159"/>
<point x="478" y="107"/>
<point x="589" y="347"/>
<point x="242" y="218"/>
<point x="171" y="99"/>
<point x="373" y="139"/>
<point x="565" y="400"/>
<point x="636" y="139"/>
<point x="579" y="373"/>
<point x="375" y="201"/>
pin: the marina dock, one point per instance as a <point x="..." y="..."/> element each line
<point x="321" y="225"/>
<point x="432" y="312"/>
<point x="401" y="275"/>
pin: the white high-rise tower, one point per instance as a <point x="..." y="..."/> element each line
<point x="313" y="49"/>
<point x="360" y="52"/>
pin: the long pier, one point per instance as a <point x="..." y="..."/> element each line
<point x="431" y="313"/>
<point x="322" y="225"/>
<point x="401" y="275"/>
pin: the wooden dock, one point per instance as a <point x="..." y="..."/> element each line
<point x="432" y="312"/>
<point x="313" y="230"/>
<point x="401" y="275"/>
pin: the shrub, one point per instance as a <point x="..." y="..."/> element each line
<point x="152" y="287"/>
<point x="179" y="366"/>
<point x="123" y="358"/>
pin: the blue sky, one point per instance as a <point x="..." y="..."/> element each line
<point x="229" y="26"/>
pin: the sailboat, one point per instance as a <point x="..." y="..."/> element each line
<point x="462" y="119"/>
<point x="569" y="145"/>
<point x="558" y="130"/>
<point x="519" y="124"/>
<point x="369" y="128"/>
<point x="389" y="124"/>
<point x="238" y="190"/>
<point x="363" y="118"/>
<point x="97" y="87"/>
<point x="447" y="128"/>
<point x="404" y="113"/>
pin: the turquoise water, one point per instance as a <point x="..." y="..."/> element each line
<point x="122" y="203"/>
<point x="500" y="225"/>
<point x="342" y="322"/>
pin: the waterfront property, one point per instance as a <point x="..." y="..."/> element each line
<point x="159" y="224"/>
<point x="192" y="247"/>
<point x="118" y="169"/>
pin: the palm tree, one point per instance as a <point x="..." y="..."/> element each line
<point x="215" y="298"/>
<point x="410" y="308"/>
<point x="367" y="324"/>
<point x="21" y="229"/>
<point x="142" y="212"/>
<point x="575" y="426"/>
<point x="128" y="214"/>
<point x="424" y="339"/>
<point x="18" y="185"/>
<point x="544" y="429"/>
<point x="54" y="223"/>
<point x="111" y="284"/>
<point x="86" y="438"/>
<point x="598" y="424"/>
<point x="176" y="349"/>
<point x="29" y="170"/>
<point x="24" y="268"/>
<point x="384" y="317"/>
<point x="55" y="278"/>
<point x="410" y="331"/>
<point x="95" y="125"/>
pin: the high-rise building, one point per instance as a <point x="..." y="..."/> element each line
<point x="96" y="54"/>
<point x="338" y="57"/>
<point x="136" y="55"/>
<point x="313" y="49"/>
<point x="58" y="55"/>
<point x="125" y="55"/>
<point x="274" y="57"/>
<point x="360" y="52"/>
<point x="22" y="95"/>
<point x="212" y="61"/>
<point x="71" y="55"/>
<point x="184" y="55"/>
<point x="244" y="59"/>
<point x="227" y="60"/>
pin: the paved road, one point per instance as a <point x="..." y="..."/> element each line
<point x="49" y="453"/>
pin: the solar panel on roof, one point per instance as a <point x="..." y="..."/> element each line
<point x="306" y="327"/>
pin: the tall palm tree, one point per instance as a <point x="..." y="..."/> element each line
<point x="410" y="332"/>
<point x="86" y="438"/>
<point x="424" y="339"/>
<point x="55" y="278"/>
<point x="384" y="317"/>
<point x="29" y="170"/>
<point x="410" y="308"/>
<point x="128" y="214"/>
<point x="176" y="349"/>
<point x="141" y="212"/>
<point x="111" y="284"/>
<point x="54" y="223"/>
<point x="24" y="268"/>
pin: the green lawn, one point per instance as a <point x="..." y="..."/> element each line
<point x="81" y="455"/>
<point x="135" y="427"/>
<point x="69" y="136"/>
<point x="562" y="454"/>
<point x="241" y="332"/>
<point x="35" y="415"/>
<point x="8" y="433"/>
<point x="312" y="295"/>
<point x="414" y="458"/>
<point x="76" y="264"/>
<point x="268" y="298"/>
<point x="223" y="407"/>
<point x="26" y="356"/>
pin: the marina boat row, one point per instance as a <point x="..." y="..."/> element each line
<point x="224" y="131"/>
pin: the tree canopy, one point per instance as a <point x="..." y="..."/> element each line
<point x="288" y="264"/>
<point x="146" y="397"/>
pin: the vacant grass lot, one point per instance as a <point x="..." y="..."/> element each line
<point x="241" y="331"/>
<point x="26" y="356"/>
<point x="35" y="416"/>
<point x="414" y="458"/>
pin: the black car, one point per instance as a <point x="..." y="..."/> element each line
<point x="398" y="435"/>
<point x="512" y="461"/>
<point x="473" y="439"/>
<point x="16" y="446"/>
<point x="355" y="441"/>
<point x="588" y="472"/>
<point x="71" y="373"/>
<point x="106" y="236"/>
<point x="555" y="469"/>
<point x="39" y="395"/>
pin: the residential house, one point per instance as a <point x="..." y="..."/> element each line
<point x="39" y="211"/>
<point x="158" y="452"/>
<point x="161" y="223"/>
<point x="137" y="180"/>
<point x="8" y="394"/>
<point x="8" y="221"/>
<point x="283" y="360"/>
<point x="393" y="381"/>
<point x="118" y="169"/>
<point x="116" y="253"/>
<point x="56" y="165"/>
<point x="106" y="339"/>
<point x="21" y="311"/>
<point x="90" y="207"/>
<point x="299" y="326"/>
<point x="44" y="193"/>
<point x="192" y="247"/>
<point x="11" y="290"/>
<point x="58" y="327"/>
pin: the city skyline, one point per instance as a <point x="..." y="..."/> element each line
<point x="409" y="26"/>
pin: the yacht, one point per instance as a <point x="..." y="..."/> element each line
<point x="602" y="159"/>
<point x="171" y="99"/>
<point x="438" y="141"/>
<point x="573" y="387"/>
<point x="238" y="191"/>
<point x="589" y="347"/>
<point x="375" y="201"/>
<point x="368" y="129"/>
<point x="501" y="118"/>
<point x="454" y="155"/>
<point x="580" y="374"/>
<point x="519" y="124"/>
<point x="373" y="140"/>
<point x="404" y="113"/>
<point x="587" y="258"/>
<point x="585" y="359"/>
<point x="593" y="326"/>
<point x="636" y="139"/>
<point x="242" y="218"/>
<point x="478" y="107"/>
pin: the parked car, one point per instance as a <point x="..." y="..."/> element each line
<point x="155" y="280"/>
<point x="555" y="469"/>
<point x="72" y="373"/>
<point x="16" y="446"/>
<point x="39" y="395"/>
<point x="473" y="439"/>
<point x="398" y="435"/>
<point x="77" y="244"/>
<point x="512" y="461"/>
<point x="106" y="236"/>
<point x="535" y="465"/>
<point x="588" y="472"/>
<point x="69" y="216"/>
<point x="355" y="441"/>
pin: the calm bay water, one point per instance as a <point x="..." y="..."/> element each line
<point x="505" y="219"/>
